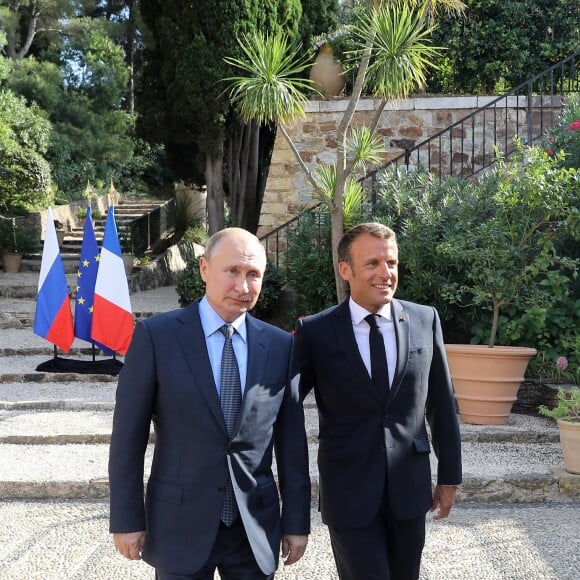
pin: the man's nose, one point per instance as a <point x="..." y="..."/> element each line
<point x="242" y="285"/>
<point x="386" y="270"/>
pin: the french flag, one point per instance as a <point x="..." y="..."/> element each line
<point x="112" y="316"/>
<point x="53" y="318"/>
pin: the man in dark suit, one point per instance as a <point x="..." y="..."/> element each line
<point x="211" y="501"/>
<point x="378" y="368"/>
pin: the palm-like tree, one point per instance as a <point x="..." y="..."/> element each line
<point x="394" y="54"/>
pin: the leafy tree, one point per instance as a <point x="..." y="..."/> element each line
<point x="394" y="57"/>
<point x="183" y="104"/>
<point x="501" y="43"/>
<point x="24" y="172"/>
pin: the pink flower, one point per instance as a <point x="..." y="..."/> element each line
<point x="575" y="126"/>
<point x="562" y="363"/>
<point x="549" y="151"/>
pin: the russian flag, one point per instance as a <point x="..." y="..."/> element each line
<point x="53" y="318"/>
<point x="112" y="316"/>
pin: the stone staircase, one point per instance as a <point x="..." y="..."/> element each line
<point x="127" y="211"/>
<point x="55" y="427"/>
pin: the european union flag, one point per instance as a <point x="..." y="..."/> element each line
<point x="85" y="286"/>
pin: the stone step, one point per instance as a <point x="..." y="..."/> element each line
<point x="41" y="420"/>
<point x="491" y="473"/>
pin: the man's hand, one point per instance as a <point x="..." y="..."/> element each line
<point x="130" y="544"/>
<point x="444" y="497"/>
<point x="293" y="548"/>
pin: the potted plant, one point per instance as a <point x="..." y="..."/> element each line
<point x="16" y="239"/>
<point x="499" y="236"/>
<point x="327" y="73"/>
<point x="567" y="414"/>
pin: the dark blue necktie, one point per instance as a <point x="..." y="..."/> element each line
<point x="379" y="368"/>
<point x="231" y="402"/>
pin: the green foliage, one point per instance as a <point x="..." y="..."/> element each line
<point x="568" y="408"/>
<point x="196" y="233"/>
<point x="24" y="181"/>
<point x="182" y="98"/>
<point x="271" y="89"/>
<point x="39" y="82"/>
<point x="417" y="208"/>
<point x="565" y="135"/>
<point x="17" y="236"/>
<point x="308" y="265"/>
<point x="401" y="50"/>
<point x="190" y="287"/>
<point x="503" y="40"/>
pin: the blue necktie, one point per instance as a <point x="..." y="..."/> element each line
<point x="231" y="402"/>
<point x="379" y="368"/>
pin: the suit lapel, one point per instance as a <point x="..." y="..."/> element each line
<point x="401" y="322"/>
<point x="189" y="335"/>
<point x="347" y="341"/>
<point x="258" y="347"/>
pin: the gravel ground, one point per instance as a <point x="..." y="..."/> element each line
<point x="68" y="540"/>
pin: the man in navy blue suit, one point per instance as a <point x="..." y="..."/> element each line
<point x="378" y="369"/>
<point x="211" y="500"/>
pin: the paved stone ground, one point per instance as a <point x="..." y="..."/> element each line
<point x="68" y="540"/>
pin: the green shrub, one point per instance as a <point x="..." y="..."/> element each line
<point x="190" y="287"/>
<point x="308" y="265"/>
<point x="565" y="136"/>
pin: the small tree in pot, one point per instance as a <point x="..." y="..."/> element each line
<point x="500" y="235"/>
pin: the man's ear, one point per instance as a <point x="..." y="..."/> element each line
<point x="203" y="265"/>
<point x="345" y="271"/>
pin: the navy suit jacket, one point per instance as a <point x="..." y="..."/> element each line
<point x="369" y="439"/>
<point x="167" y="379"/>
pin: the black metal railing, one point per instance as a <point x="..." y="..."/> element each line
<point x="276" y="241"/>
<point x="469" y="145"/>
<point x="148" y="229"/>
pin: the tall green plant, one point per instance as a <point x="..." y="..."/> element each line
<point x="501" y="233"/>
<point x="393" y="52"/>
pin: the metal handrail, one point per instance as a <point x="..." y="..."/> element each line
<point x="457" y="143"/>
<point x="456" y="151"/>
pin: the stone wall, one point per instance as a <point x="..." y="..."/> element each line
<point x="404" y="123"/>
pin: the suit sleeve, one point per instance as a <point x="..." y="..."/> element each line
<point x="441" y="413"/>
<point x="131" y="425"/>
<point x="292" y="458"/>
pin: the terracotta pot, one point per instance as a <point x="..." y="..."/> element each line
<point x="11" y="261"/>
<point x="570" y="443"/>
<point x="327" y="73"/>
<point x="486" y="380"/>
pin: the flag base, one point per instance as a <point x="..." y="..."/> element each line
<point x="58" y="364"/>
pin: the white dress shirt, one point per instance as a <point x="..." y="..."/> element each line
<point x="362" y="331"/>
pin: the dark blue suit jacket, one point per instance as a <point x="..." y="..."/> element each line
<point x="167" y="379"/>
<point x="369" y="438"/>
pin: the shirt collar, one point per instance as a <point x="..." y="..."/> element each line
<point x="358" y="313"/>
<point x="211" y="321"/>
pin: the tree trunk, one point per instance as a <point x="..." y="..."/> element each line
<point x="249" y="154"/>
<point x="336" y="231"/>
<point x="215" y="193"/>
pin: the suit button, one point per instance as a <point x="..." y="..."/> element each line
<point x="221" y="488"/>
